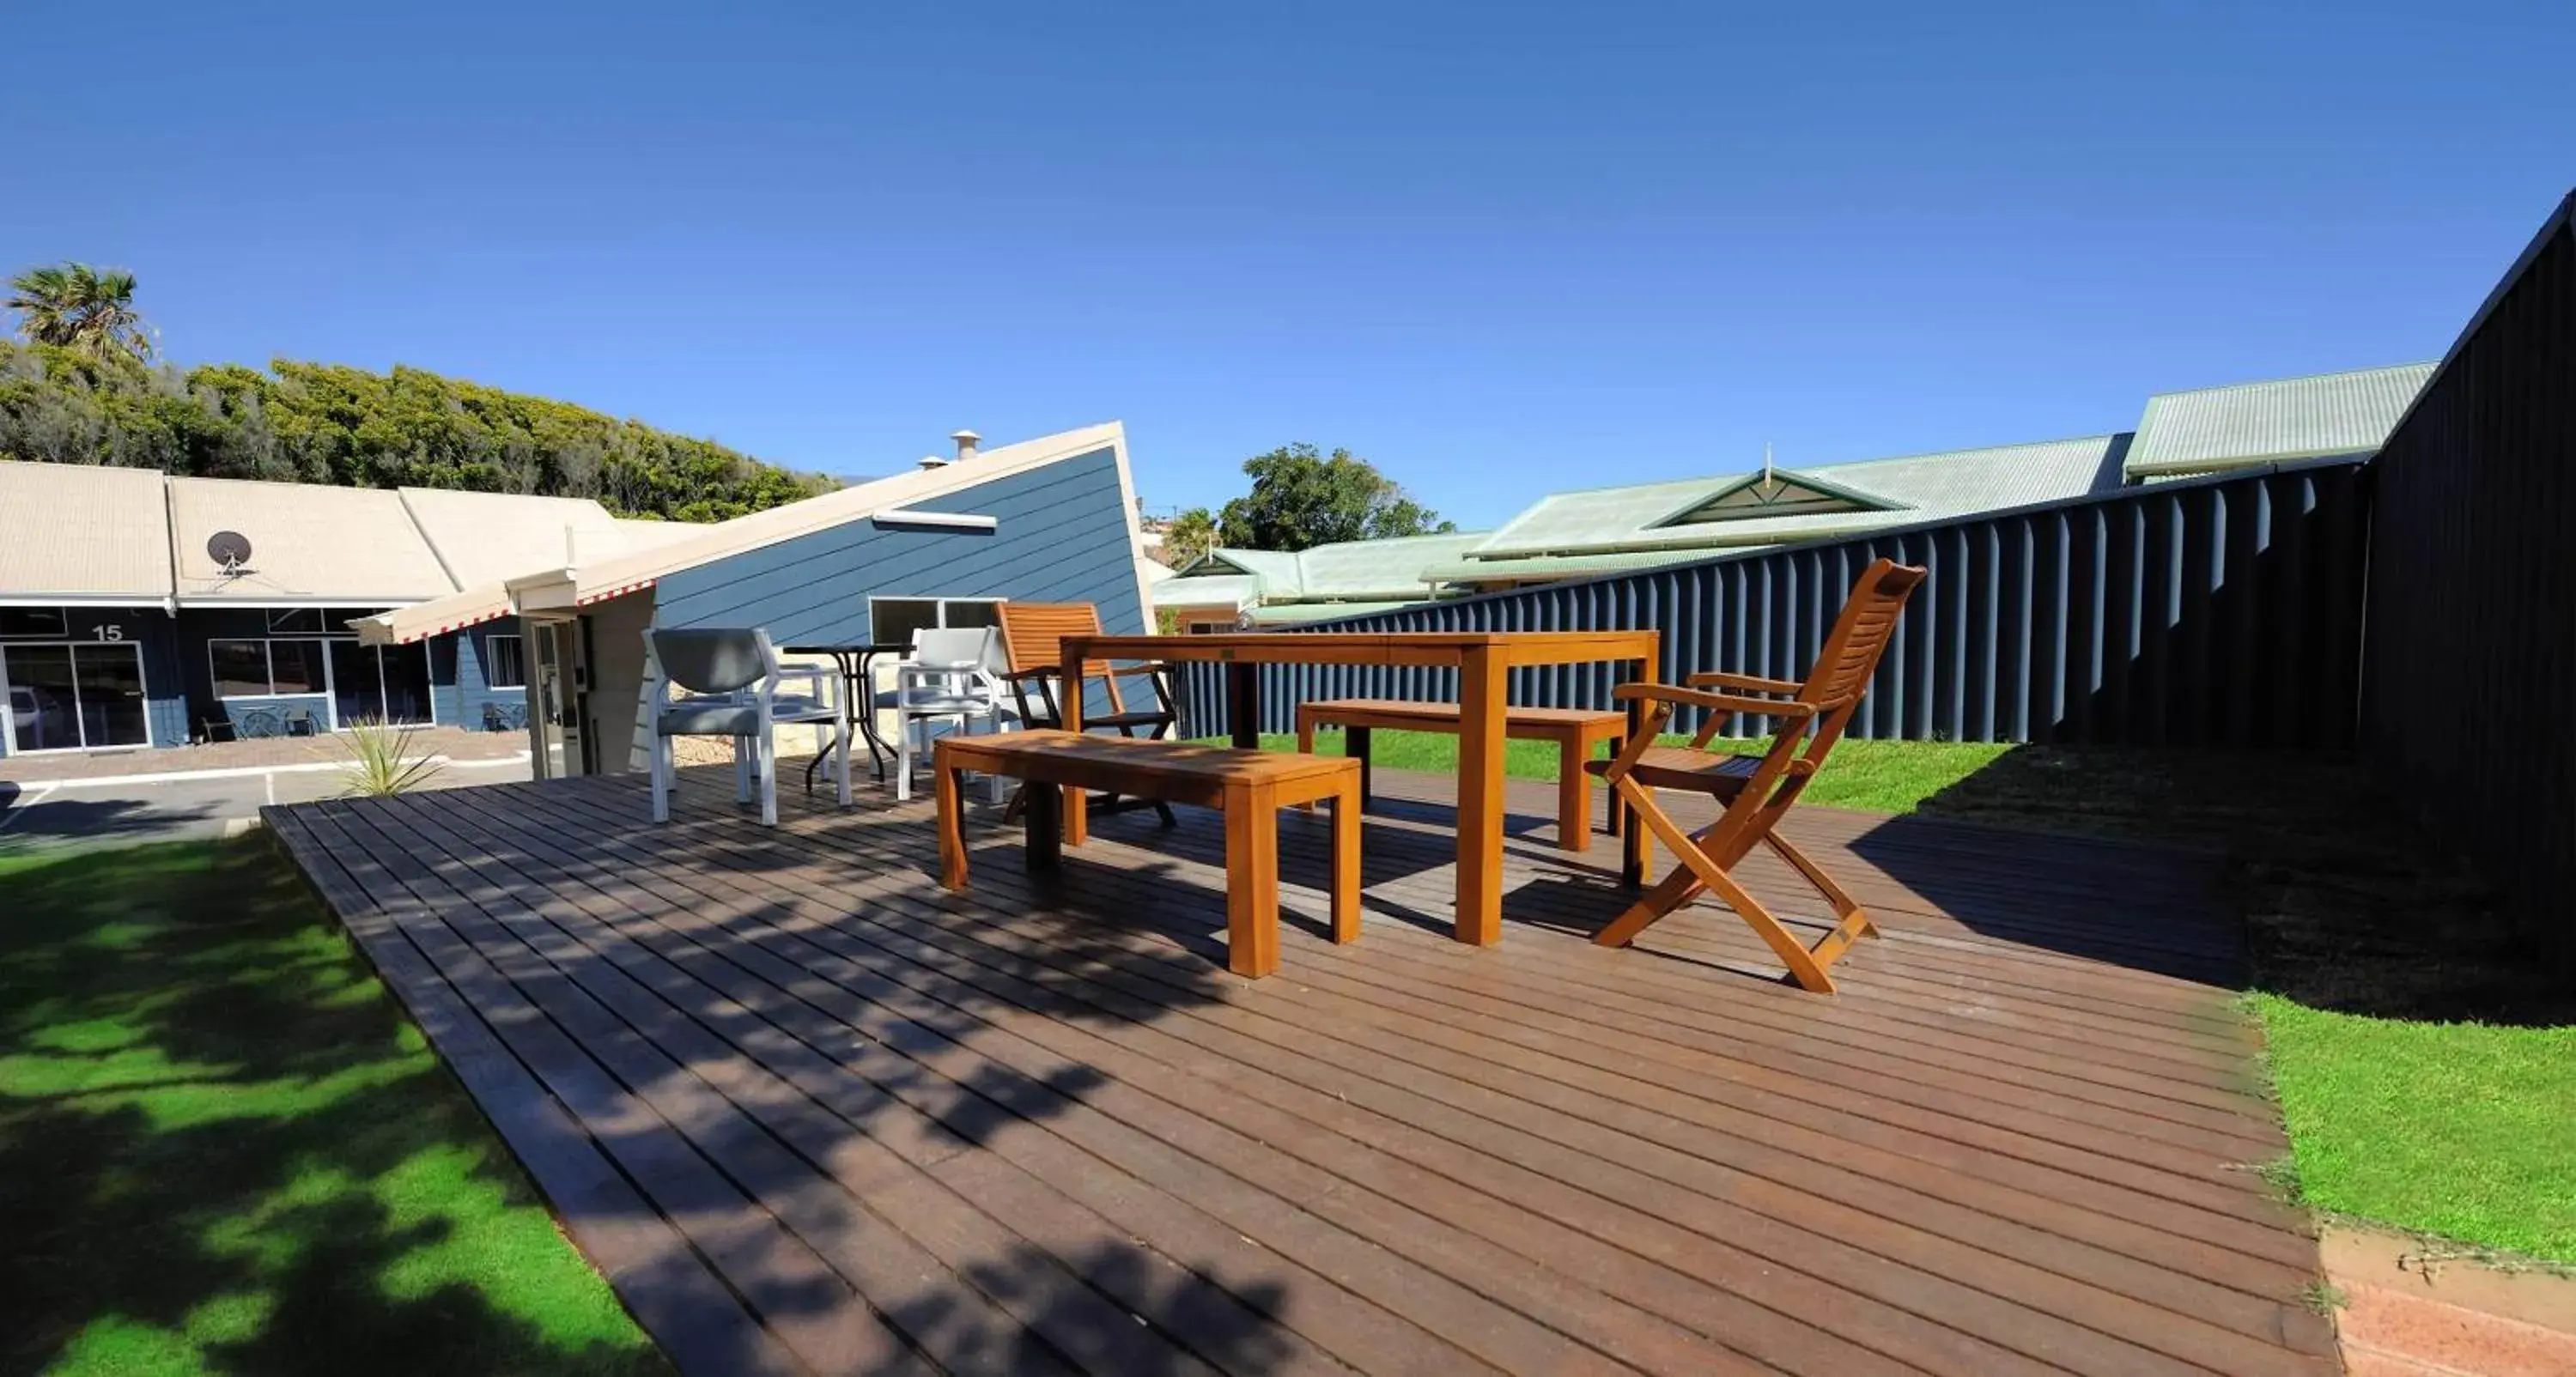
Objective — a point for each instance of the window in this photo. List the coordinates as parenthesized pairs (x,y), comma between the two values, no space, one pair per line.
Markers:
(505,663)
(35,621)
(263,669)
(295,621)
(891,621)
(241,668)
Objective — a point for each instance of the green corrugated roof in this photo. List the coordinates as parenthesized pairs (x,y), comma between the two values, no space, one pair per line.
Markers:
(1379,568)
(2269,422)
(1560,566)
(1278,614)
(1923,487)
(1208,590)
(1352,569)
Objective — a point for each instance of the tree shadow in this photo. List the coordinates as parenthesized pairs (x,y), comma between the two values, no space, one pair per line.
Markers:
(218,1138)
(795,1026)
(2341,902)
(55,821)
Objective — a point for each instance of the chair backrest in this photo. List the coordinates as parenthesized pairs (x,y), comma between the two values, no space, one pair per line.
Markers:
(714,660)
(1031,632)
(979,646)
(1852,649)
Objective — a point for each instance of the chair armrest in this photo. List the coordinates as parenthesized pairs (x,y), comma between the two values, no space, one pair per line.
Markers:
(1744,683)
(1714,702)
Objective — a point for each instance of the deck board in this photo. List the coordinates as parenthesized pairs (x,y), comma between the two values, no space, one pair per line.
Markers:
(807,1109)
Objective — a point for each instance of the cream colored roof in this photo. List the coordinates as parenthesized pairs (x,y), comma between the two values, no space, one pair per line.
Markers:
(310,542)
(483,537)
(82,531)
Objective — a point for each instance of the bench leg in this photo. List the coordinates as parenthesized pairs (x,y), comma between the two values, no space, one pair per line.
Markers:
(1305,746)
(952,829)
(1573,796)
(1251,882)
(1611,824)
(1355,744)
(1346,866)
(1044,814)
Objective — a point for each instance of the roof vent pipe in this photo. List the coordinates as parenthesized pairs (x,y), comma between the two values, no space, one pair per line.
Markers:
(933,461)
(966,442)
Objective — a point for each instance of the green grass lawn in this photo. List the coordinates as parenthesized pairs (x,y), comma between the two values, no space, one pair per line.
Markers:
(1883,776)
(224,1148)
(2425,1072)
(2455,1129)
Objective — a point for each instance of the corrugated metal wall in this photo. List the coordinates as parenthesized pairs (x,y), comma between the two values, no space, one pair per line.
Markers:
(2218,610)
(2472,620)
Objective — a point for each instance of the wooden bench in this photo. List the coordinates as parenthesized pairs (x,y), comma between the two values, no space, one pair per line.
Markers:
(1575,731)
(1248,786)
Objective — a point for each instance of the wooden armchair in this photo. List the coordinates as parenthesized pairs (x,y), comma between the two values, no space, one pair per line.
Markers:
(1032,643)
(1757,790)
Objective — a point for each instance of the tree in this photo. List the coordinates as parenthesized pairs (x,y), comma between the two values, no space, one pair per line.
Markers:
(1301,499)
(77,307)
(1190,535)
(327,423)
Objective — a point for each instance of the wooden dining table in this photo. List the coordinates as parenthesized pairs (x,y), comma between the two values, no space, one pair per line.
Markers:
(1483,660)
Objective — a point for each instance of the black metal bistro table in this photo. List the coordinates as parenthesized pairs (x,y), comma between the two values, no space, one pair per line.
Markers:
(860,693)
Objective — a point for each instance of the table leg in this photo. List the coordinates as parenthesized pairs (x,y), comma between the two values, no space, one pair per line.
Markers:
(952,826)
(1637,848)
(1251,881)
(1346,865)
(1243,704)
(1074,652)
(1481,681)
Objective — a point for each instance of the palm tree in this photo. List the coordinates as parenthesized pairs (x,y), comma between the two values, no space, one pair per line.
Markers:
(82,309)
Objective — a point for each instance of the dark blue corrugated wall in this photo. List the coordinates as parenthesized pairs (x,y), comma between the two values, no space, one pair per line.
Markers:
(2217,610)
(2472,619)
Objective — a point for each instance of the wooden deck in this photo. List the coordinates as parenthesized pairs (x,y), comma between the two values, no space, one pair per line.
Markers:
(809,1112)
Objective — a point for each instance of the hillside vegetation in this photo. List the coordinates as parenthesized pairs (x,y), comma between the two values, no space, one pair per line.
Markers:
(327,423)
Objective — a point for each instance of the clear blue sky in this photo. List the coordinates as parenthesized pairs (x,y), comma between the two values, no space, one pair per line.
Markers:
(1500,249)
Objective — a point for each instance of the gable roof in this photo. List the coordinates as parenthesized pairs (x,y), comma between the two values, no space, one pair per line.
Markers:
(1775,492)
(644,558)
(1388,571)
(70,532)
(310,543)
(483,536)
(1921,487)
(2214,428)
(89,532)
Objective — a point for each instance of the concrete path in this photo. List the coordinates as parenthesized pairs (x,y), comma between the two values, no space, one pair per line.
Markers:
(179,805)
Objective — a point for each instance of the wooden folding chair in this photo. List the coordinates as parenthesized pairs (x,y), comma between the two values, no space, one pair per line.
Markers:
(1032,641)
(1757,790)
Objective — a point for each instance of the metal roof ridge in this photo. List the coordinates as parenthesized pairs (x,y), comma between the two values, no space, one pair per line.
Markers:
(2152,397)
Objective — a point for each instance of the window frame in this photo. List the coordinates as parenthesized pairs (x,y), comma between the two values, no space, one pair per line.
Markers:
(62,625)
(941,604)
(268,665)
(516,639)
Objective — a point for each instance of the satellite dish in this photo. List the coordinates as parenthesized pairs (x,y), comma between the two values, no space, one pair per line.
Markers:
(231,549)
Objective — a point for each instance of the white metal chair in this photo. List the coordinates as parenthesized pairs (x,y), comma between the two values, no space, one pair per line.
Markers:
(954,675)
(732,678)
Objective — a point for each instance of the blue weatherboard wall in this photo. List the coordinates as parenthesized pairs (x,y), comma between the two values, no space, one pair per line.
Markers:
(459,681)
(1062,537)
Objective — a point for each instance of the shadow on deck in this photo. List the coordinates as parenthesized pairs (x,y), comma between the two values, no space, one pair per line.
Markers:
(804,1107)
